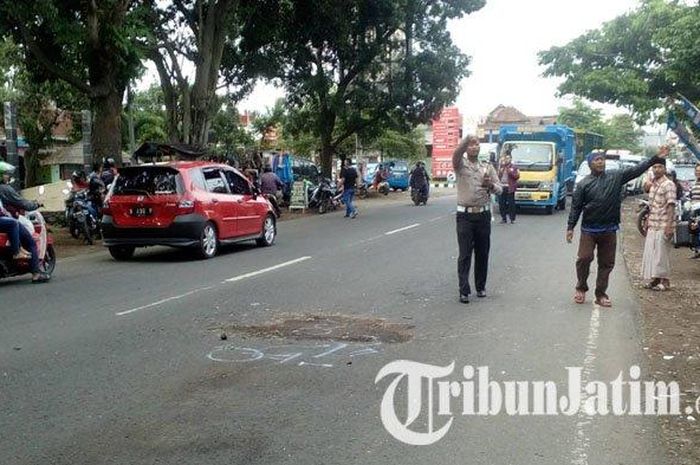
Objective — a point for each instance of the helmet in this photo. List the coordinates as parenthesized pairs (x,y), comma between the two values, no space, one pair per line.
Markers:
(76,175)
(6,168)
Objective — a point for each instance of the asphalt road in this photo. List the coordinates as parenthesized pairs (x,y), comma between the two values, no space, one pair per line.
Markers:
(122,363)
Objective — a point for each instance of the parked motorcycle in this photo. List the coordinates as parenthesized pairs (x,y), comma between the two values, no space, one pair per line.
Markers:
(642,216)
(80,214)
(324,196)
(45,246)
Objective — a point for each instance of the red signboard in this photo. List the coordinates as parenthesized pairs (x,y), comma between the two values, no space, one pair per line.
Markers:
(446,133)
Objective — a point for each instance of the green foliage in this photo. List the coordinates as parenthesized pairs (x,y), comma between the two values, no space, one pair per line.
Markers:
(359,67)
(90,46)
(619,132)
(397,145)
(227,134)
(636,60)
(39,104)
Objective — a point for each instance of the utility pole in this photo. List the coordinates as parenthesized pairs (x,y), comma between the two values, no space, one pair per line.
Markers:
(11,139)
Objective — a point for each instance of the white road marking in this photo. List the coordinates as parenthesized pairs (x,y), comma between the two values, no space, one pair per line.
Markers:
(401,229)
(169,299)
(435,219)
(265,270)
(582,441)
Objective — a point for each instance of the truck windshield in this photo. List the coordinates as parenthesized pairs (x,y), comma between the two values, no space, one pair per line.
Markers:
(530,156)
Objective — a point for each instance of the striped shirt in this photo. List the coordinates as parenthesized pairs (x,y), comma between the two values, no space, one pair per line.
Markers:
(695,191)
(661,195)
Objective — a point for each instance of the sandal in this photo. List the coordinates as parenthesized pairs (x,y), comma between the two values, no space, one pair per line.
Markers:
(661,287)
(41,278)
(603,301)
(651,284)
(580,297)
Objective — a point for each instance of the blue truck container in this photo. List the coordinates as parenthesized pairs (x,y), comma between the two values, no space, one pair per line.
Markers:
(545,156)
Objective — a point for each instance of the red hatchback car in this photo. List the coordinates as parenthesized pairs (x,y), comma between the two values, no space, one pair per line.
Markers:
(184,204)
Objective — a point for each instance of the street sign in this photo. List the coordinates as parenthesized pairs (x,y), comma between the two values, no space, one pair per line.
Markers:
(300,198)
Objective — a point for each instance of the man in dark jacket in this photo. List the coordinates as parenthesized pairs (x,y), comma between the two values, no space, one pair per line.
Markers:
(599,197)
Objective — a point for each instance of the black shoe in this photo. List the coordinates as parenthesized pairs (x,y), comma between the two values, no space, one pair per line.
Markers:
(464,298)
(481,293)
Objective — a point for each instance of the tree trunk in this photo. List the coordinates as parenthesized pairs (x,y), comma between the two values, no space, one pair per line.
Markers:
(107,127)
(31,168)
(326,156)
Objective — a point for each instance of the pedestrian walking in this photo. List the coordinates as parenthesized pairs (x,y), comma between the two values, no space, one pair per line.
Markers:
(476,181)
(349,179)
(661,224)
(508,174)
(598,197)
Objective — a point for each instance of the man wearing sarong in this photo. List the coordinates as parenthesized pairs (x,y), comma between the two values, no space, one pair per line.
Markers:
(656,263)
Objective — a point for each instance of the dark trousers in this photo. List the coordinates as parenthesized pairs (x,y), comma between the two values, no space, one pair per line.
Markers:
(506,205)
(473,235)
(19,235)
(606,244)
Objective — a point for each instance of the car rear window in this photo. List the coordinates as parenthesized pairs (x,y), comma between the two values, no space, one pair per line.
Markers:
(149,180)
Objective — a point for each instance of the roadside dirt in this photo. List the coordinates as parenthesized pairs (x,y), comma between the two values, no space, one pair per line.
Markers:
(671,332)
(325,327)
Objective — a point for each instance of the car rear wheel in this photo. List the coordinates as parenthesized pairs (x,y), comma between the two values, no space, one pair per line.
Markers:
(208,241)
(269,232)
(122,252)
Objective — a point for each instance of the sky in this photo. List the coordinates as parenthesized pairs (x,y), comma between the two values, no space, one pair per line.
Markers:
(503,39)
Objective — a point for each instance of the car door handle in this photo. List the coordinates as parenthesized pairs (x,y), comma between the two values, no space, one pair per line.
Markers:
(214,200)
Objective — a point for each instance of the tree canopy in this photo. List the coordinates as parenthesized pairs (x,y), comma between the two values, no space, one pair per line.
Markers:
(91,46)
(359,67)
(636,60)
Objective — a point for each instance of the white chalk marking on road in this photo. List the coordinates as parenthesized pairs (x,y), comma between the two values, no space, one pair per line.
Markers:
(582,441)
(401,229)
(169,299)
(322,365)
(265,270)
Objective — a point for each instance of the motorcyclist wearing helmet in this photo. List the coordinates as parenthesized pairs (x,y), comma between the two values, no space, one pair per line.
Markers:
(9,197)
(93,187)
(419,178)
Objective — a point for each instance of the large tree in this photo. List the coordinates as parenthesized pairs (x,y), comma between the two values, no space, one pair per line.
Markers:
(636,60)
(40,105)
(89,45)
(206,36)
(360,67)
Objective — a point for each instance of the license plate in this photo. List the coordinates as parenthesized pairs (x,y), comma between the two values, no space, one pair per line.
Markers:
(522,196)
(141,211)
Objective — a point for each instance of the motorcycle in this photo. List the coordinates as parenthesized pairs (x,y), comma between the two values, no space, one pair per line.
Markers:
(688,224)
(10,267)
(642,216)
(324,196)
(80,218)
(419,196)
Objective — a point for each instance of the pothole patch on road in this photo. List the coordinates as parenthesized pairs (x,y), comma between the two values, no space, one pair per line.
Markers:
(325,327)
